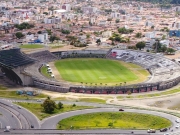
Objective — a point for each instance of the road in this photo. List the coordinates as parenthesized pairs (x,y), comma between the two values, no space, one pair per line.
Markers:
(24,117)
(48,125)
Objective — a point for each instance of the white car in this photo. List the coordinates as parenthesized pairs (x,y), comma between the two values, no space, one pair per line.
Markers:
(177,120)
(39,100)
(19,107)
(177,126)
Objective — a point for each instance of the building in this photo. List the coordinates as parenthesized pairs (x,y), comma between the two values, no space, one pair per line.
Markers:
(175,33)
(43,37)
(107,34)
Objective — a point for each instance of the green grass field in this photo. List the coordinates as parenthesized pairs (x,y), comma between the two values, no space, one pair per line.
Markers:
(122,120)
(159,94)
(13,94)
(44,72)
(38,110)
(31,46)
(95,71)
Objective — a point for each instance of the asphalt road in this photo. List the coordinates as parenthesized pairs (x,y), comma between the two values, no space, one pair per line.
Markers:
(55,119)
(25,117)
(48,126)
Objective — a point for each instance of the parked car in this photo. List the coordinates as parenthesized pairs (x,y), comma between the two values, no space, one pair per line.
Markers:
(151,131)
(177,126)
(121,110)
(39,100)
(19,107)
(177,120)
(163,130)
(32,126)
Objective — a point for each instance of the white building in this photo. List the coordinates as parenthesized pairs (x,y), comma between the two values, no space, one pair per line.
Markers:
(43,37)
(29,37)
(115,15)
(150,34)
(107,34)
(165,42)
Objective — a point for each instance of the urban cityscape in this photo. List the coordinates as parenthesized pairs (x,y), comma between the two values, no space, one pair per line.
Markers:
(90,67)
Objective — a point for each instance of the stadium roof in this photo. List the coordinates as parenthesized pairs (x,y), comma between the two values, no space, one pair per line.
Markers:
(14,58)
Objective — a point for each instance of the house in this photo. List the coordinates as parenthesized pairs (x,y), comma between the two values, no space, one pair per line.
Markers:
(115,15)
(150,34)
(175,33)
(102,22)
(43,37)
(107,34)
(165,42)
(66,7)
(89,10)
(149,43)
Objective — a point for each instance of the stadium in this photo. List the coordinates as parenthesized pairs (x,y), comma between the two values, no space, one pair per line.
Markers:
(103,71)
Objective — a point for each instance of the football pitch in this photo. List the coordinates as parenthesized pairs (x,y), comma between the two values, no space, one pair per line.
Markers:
(100,72)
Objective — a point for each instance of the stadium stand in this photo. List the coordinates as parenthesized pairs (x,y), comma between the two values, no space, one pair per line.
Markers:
(24,70)
(11,62)
(43,56)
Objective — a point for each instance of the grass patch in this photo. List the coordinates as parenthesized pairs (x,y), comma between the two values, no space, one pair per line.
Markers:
(2,87)
(44,72)
(55,47)
(122,120)
(91,100)
(31,46)
(168,92)
(13,94)
(98,71)
(38,110)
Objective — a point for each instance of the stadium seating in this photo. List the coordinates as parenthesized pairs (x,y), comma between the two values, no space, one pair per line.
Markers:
(14,58)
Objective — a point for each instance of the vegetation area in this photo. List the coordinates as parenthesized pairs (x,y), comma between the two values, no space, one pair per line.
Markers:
(2,87)
(123,30)
(91,100)
(12,94)
(122,120)
(19,35)
(117,38)
(44,72)
(38,110)
(92,72)
(168,92)
(31,46)
(24,25)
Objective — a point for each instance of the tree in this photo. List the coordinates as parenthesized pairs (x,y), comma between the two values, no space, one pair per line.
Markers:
(109,19)
(117,38)
(123,30)
(164,48)
(117,21)
(140,45)
(60,105)
(98,41)
(52,38)
(39,32)
(19,35)
(49,105)
(46,13)
(170,50)
(152,27)
(138,35)
(112,39)
(87,36)
(24,25)
(163,37)
(65,31)
(157,46)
